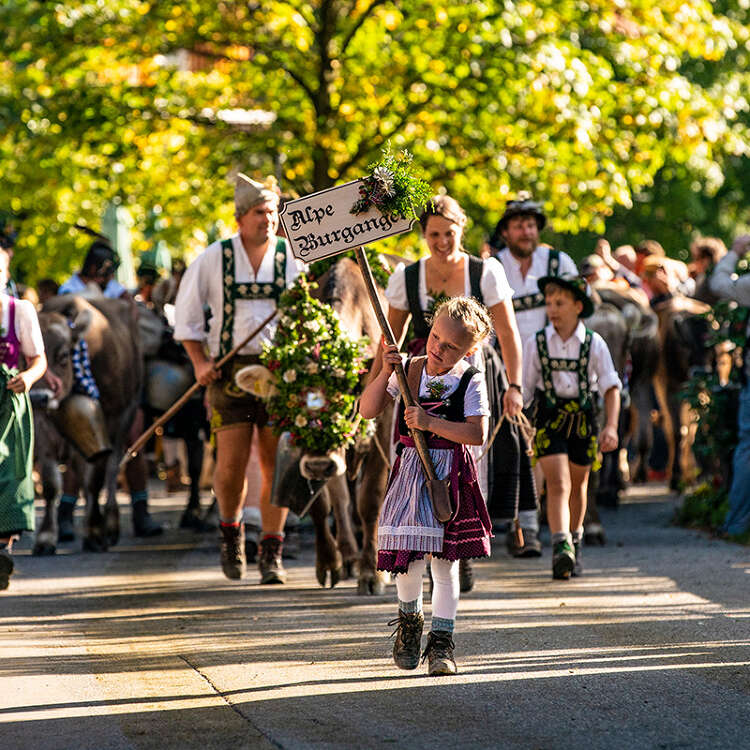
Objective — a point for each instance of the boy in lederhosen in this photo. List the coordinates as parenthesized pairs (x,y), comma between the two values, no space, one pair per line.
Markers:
(563,364)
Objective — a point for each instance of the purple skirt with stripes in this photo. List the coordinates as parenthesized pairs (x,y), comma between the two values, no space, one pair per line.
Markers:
(407,529)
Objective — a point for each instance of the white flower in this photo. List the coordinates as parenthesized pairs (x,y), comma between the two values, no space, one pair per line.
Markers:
(289,376)
(315,400)
(313,326)
(385,178)
(339,372)
(311,368)
(300,420)
(286,320)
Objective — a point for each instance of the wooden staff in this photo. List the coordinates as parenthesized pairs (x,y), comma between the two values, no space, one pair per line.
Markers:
(132,452)
(420,442)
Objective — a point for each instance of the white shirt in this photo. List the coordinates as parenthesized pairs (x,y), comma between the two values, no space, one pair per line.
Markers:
(531,321)
(476,403)
(76,285)
(202,285)
(27,326)
(602,373)
(493,284)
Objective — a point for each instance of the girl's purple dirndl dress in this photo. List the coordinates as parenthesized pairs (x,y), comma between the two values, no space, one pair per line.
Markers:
(407,529)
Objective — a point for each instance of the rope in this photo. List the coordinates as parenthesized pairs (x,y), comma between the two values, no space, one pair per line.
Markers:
(524,427)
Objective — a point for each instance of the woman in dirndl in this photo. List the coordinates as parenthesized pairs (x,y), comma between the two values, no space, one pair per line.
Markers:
(22,363)
(449,271)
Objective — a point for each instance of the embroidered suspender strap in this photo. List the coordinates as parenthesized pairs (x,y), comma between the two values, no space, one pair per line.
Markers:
(584,388)
(414,375)
(476,265)
(532,301)
(558,364)
(411,279)
(247,290)
(553,263)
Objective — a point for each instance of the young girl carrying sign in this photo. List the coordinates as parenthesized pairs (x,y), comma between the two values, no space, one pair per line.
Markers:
(453,411)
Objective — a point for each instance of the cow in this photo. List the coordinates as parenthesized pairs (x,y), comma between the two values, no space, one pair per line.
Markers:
(361,471)
(109,327)
(684,347)
(630,331)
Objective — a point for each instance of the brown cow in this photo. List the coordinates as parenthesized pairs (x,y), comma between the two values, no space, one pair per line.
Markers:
(109,327)
(363,471)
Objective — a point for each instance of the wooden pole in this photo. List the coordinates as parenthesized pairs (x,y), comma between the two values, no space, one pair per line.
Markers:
(132,451)
(420,442)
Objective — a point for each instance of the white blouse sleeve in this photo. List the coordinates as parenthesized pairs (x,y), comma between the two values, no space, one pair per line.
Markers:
(603,366)
(27,329)
(190,319)
(395,292)
(476,402)
(532,371)
(567,264)
(494,283)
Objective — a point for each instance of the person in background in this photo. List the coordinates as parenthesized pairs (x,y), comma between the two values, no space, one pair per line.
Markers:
(726,284)
(22,363)
(705,252)
(98,268)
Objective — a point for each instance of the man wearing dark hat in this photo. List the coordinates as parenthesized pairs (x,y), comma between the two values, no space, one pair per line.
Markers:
(515,242)
(240,279)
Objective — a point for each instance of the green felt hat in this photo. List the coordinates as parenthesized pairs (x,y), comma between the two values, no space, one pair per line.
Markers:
(575,284)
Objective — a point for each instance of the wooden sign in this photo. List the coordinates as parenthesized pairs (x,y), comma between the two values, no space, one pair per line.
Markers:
(322,224)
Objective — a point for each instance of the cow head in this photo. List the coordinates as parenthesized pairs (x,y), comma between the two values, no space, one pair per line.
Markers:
(60,336)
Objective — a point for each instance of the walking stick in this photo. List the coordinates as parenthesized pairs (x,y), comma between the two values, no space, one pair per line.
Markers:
(420,442)
(132,451)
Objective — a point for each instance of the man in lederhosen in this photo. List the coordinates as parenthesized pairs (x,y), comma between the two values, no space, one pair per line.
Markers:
(515,243)
(240,280)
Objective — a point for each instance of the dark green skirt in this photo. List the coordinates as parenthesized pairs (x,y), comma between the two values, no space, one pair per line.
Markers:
(16,459)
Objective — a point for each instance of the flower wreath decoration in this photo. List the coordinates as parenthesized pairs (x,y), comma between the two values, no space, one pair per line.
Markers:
(393,187)
(314,370)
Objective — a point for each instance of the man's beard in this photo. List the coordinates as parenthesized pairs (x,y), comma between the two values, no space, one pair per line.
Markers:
(522,252)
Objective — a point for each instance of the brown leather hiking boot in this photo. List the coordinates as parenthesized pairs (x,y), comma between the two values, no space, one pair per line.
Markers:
(233,551)
(408,634)
(269,561)
(439,651)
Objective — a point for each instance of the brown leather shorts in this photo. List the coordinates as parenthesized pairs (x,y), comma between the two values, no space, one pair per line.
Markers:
(230,405)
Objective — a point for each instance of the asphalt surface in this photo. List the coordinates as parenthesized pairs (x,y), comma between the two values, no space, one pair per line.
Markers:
(148,646)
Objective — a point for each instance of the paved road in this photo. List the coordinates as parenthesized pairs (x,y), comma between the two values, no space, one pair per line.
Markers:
(150,647)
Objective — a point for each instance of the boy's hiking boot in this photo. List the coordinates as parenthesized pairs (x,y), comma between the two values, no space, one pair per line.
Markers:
(465,576)
(563,561)
(408,634)
(269,562)
(578,567)
(439,652)
(233,551)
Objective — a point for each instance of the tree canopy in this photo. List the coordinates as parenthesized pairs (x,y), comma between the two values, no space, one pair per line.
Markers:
(156,105)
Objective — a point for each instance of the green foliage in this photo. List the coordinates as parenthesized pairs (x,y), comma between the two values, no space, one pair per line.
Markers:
(393,187)
(704,508)
(581,103)
(316,371)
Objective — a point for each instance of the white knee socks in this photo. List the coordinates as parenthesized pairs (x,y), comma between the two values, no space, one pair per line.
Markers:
(444,595)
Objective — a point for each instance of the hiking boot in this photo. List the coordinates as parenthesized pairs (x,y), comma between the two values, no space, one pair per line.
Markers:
(578,567)
(439,651)
(173,479)
(65,529)
(233,551)
(6,568)
(192,518)
(269,562)
(531,546)
(563,561)
(465,575)
(143,522)
(408,634)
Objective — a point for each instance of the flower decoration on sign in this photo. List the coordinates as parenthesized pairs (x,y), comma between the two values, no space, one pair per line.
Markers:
(437,389)
(393,187)
(316,369)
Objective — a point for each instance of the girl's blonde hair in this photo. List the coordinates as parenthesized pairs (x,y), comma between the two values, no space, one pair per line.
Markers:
(471,314)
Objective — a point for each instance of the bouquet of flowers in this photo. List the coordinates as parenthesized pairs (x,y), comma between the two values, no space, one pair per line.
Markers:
(392,187)
(314,374)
